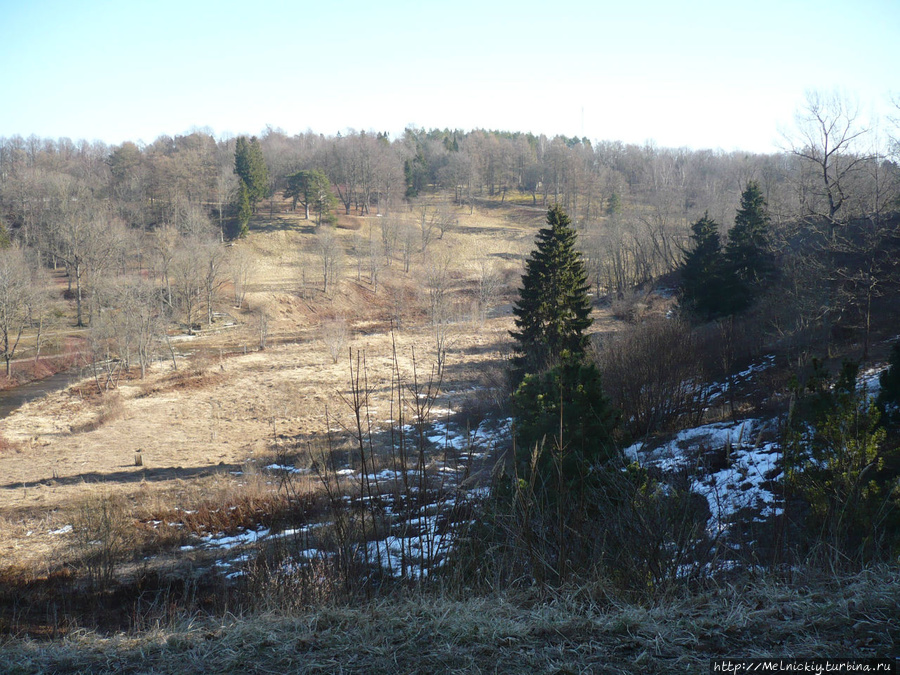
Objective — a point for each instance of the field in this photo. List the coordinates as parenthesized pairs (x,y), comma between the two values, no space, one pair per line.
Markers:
(229,402)
(238,430)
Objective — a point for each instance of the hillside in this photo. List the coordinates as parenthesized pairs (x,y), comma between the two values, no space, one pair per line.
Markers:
(312,459)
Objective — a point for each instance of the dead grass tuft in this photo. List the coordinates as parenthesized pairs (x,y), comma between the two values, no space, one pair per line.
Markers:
(112,407)
(227,507)
(8,446)
(195,377)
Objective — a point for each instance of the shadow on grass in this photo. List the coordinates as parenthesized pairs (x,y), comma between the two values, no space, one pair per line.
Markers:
(282,222)
(133,475)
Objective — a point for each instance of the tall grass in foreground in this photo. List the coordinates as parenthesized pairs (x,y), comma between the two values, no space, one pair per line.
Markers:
(392,515)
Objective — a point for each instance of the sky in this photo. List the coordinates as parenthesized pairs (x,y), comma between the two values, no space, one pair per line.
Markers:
(714,74)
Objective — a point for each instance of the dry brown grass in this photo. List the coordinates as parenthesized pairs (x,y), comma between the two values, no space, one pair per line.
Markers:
(575,630)
(110,408)
(7,446)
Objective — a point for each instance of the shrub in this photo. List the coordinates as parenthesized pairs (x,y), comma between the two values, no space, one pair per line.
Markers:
(835,462)
(102,535)
(889,396)
(654,374)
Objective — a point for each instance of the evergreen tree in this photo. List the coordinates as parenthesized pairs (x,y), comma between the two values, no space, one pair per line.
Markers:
(748,256)
(310,189)
(613,205)
(704,278)
(250,167)
(553,309)
(837,461)
(889,396)
(243,210)
(566,399)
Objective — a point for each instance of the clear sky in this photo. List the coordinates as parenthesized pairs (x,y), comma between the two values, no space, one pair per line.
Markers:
(711,74)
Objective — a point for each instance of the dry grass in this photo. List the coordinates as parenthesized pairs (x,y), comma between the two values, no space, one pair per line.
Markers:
(111,407)
(576,630)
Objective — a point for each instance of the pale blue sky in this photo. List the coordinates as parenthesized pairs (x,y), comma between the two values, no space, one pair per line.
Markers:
(716,74)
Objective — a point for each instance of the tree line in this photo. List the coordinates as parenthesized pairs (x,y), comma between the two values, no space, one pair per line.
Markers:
(80,205)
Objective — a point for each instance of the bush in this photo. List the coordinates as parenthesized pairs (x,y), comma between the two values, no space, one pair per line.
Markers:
(889,396)
(654,373)
(102,535)
(623,527)
(836,462)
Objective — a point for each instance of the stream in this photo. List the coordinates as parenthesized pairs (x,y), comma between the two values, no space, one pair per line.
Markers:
(12,399)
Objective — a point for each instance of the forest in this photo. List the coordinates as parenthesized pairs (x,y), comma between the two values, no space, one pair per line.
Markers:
(568,404)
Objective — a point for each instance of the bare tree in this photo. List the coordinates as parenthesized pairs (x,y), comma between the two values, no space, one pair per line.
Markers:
(434,221)
(226,184)
(261,315)
(330,254)
(133,322)
(334,335)
(242,267)
(489,284)
(166,241)
(375,258)
(828,144)
(390,234)
(188,282)
(437,284)
(21,291)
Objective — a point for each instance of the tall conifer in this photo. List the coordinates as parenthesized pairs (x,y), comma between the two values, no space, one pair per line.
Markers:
(250,167)
(553,310)
(747,253)
(704,287)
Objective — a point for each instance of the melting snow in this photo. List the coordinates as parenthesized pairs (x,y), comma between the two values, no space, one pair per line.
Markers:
(729,490)
(285,468)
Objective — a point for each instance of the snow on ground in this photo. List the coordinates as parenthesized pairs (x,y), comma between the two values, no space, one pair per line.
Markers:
(418,541)
(741,484)
(719,389)
(414,554)
(484,437)
(284,468)
(869,380)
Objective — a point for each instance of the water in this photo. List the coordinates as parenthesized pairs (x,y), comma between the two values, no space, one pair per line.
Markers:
(12,399)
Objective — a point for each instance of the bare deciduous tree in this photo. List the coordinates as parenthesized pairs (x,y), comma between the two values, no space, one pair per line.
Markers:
(21,291)
(828,144)
(242,267)
(334,335)
(330,254)
(489,284)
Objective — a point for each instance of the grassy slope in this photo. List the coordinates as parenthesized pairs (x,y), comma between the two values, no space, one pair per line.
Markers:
(567,632)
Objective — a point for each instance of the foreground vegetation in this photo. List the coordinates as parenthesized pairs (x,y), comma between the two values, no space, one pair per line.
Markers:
(563,630)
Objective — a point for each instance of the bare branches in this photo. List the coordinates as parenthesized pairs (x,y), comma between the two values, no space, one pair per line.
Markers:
(828,141)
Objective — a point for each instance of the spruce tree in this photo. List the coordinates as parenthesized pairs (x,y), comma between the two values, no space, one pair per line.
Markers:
(704,279)
(310,189)
(569,399)
(747,253)
(553,309)
(250,167)
(243,211)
